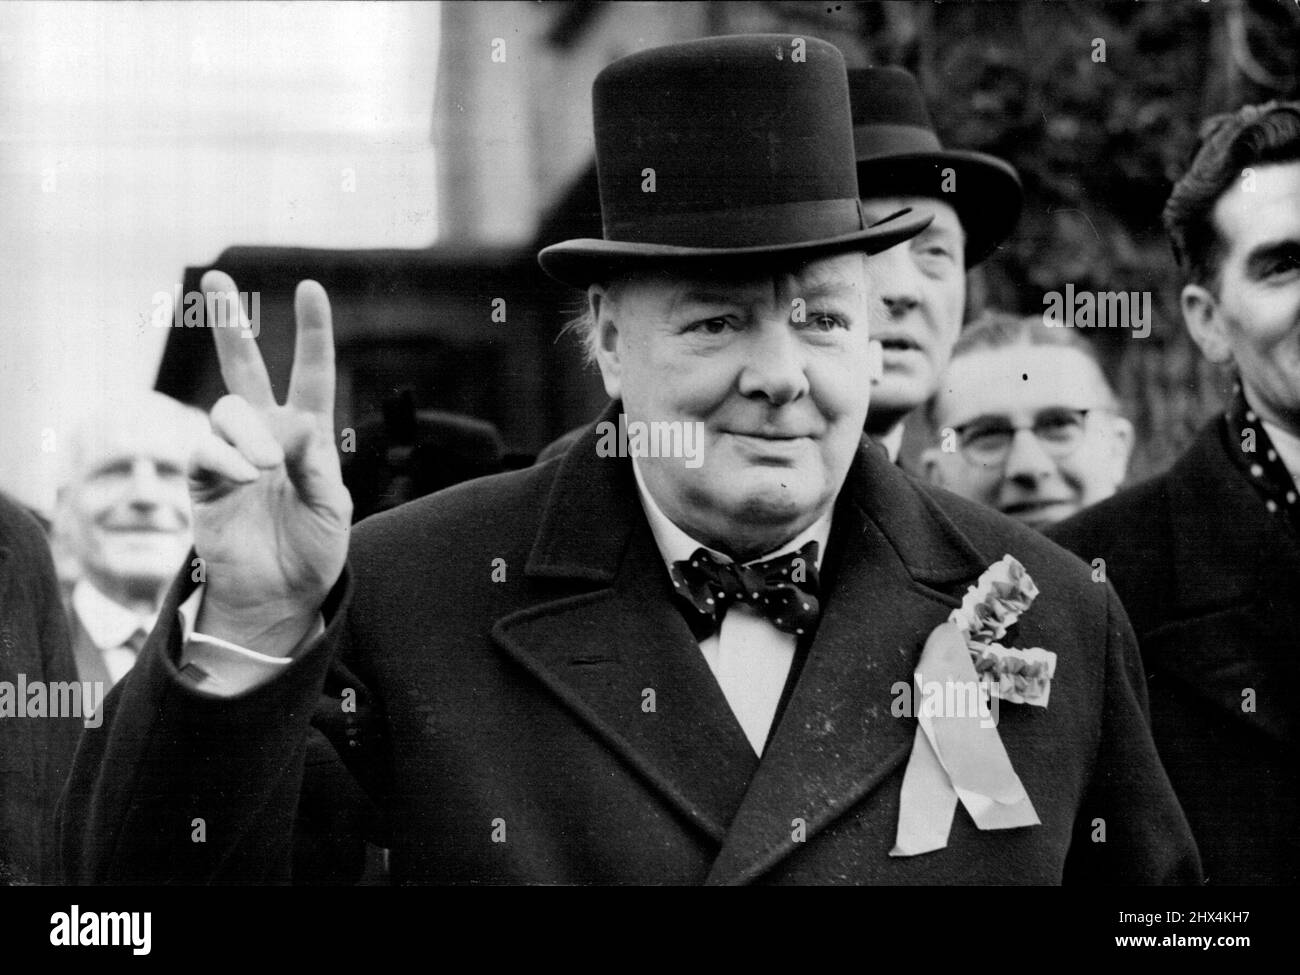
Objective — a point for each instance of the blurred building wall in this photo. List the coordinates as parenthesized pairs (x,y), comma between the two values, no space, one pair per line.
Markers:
(136,139)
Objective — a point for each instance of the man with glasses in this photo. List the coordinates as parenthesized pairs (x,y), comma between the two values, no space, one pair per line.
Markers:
(1026,422)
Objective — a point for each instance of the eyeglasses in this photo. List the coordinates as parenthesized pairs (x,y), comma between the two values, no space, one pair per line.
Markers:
(987,440)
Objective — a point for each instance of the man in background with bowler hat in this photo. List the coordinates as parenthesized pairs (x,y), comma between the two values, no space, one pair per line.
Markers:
(976,200)
(629,667)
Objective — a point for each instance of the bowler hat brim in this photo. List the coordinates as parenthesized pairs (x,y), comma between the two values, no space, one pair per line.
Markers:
(586,261)
(986,191)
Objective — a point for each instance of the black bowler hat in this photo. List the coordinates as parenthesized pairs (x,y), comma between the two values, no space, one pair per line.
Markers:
(899,154)
(722,152)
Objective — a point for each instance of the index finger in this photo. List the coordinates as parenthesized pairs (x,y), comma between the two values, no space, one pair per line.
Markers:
(242,367)
(311,384)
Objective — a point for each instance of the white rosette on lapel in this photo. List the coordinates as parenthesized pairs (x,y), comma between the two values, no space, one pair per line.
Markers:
(957,754)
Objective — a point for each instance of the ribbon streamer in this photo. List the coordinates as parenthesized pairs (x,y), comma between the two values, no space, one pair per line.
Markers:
(955,756)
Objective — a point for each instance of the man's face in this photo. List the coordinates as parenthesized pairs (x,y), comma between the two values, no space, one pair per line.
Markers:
(922,288)
(1255,317)
(770,366)
(128,509)
(1040,477)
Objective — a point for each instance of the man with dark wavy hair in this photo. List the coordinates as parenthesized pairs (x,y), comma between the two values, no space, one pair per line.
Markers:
(1206,557)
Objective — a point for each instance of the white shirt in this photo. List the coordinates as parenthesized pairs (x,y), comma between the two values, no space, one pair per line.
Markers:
(749,657)
(110,625)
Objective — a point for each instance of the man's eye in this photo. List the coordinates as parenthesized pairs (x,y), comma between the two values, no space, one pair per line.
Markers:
(1283,266)
(711,326)
(1055,429)
(118,470)
(826,322)
(987,437)
(933,251)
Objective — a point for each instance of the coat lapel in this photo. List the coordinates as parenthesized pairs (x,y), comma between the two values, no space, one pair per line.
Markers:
(899,562)
(611,632)
(618,653)
(1236,616)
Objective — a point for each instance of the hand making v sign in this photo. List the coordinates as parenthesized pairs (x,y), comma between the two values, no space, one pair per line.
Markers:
(271,514)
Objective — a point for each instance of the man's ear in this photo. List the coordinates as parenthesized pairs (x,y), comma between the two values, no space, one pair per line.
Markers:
(1121,446)
(1205,323)
(875,361)
(932,467)
(601,307)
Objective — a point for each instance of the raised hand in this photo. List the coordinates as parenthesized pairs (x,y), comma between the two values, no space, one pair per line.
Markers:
(271,514)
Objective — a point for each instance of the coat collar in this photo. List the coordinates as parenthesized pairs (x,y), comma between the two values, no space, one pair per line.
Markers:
(1235,620)
(899,558)
(1224,541)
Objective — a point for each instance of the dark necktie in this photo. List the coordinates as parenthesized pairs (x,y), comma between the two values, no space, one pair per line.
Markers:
(783,589)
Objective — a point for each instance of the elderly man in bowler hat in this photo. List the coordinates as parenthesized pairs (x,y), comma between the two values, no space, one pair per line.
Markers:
(920,283)
(629,669)
(975,199)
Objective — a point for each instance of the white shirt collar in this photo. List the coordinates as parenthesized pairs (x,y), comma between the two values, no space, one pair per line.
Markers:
(675,545)
(110,624)
(1287,445)
(892,441)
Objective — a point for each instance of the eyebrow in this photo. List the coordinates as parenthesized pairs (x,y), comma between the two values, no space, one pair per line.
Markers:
(940,230)
(1038,414)
(1271,251)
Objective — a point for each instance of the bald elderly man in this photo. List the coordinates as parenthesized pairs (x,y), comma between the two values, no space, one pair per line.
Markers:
(122,524)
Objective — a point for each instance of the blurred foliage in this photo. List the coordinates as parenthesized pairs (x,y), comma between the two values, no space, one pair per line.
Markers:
(1097,143)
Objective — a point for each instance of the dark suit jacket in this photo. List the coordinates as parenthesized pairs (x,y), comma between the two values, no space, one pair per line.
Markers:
(1211,582)
(35,752)
(502,727)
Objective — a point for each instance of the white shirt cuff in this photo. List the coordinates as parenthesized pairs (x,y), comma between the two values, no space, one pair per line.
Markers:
(223,669)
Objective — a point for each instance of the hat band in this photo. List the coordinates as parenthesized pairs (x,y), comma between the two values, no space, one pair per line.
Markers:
(893,140)
(763,225)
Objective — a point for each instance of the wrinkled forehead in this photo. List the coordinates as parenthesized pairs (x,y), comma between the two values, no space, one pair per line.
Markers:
(945,216)
(843,277)
(164,434)
(1017,382)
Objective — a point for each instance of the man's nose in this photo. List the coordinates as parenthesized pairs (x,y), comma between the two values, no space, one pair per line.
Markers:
(146,485)
(1027,463)
(774,367)
(897,280)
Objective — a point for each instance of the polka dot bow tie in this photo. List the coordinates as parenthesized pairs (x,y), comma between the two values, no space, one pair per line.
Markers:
(783,589)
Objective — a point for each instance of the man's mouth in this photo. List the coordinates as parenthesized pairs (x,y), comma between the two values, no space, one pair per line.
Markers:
(900,343)
(770,444)
(773,435)
(1029,510)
